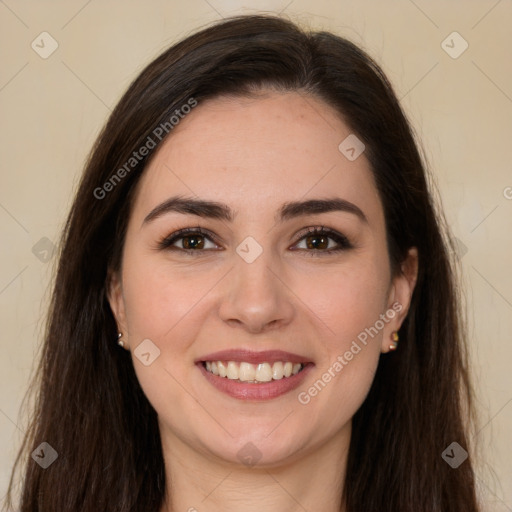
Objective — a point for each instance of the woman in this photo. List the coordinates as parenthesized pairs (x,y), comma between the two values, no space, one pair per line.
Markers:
(254,307)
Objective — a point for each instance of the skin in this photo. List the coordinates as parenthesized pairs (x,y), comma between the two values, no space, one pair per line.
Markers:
(254,155)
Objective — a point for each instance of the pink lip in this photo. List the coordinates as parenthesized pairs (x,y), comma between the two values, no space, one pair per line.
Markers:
(252,391)
(249,356)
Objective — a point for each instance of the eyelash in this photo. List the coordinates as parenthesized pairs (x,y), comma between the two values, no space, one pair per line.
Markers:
(341,240)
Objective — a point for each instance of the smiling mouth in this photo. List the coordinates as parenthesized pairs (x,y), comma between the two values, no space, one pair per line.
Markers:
(253,373)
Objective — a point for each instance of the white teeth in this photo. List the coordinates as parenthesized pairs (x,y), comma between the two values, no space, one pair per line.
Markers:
(247,372)
(264,373)
(232,371)
(223,371)
(277,371)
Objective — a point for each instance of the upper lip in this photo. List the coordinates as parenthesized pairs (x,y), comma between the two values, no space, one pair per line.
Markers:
(250,356)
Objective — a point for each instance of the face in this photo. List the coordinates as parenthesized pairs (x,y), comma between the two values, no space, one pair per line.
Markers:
(284,268)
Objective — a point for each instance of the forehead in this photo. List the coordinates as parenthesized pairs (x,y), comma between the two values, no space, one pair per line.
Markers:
(256,153)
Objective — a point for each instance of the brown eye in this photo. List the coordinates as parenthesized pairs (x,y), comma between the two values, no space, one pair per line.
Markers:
(190,240)
(317,242)
(323,240)
(193,242)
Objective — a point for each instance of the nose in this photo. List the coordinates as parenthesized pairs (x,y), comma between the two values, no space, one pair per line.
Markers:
(256,296)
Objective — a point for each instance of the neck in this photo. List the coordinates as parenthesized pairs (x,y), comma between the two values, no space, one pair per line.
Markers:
(196,482)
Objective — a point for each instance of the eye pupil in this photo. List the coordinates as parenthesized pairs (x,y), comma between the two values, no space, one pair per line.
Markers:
(193,242)
(319,242)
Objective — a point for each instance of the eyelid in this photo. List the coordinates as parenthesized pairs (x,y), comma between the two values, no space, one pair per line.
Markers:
(166,242)
(343,242)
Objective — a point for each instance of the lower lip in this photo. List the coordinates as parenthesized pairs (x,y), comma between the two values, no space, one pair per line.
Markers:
(251,391)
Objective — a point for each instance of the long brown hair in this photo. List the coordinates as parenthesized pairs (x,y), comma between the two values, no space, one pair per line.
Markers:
(90,406)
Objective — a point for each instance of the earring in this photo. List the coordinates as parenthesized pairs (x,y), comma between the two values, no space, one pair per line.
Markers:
(394,344)
(120,342)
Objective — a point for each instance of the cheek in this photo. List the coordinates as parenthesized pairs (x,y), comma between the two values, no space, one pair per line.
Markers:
(158,297)
(163,306)
(346,301)
(350,304)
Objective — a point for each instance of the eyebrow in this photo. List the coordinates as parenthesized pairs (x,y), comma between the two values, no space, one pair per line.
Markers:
(221,211)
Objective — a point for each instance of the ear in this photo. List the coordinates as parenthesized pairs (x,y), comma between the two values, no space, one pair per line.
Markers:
(399,299)
(116,301)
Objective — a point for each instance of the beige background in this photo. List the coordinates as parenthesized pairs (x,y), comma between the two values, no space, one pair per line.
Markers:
(52,109)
